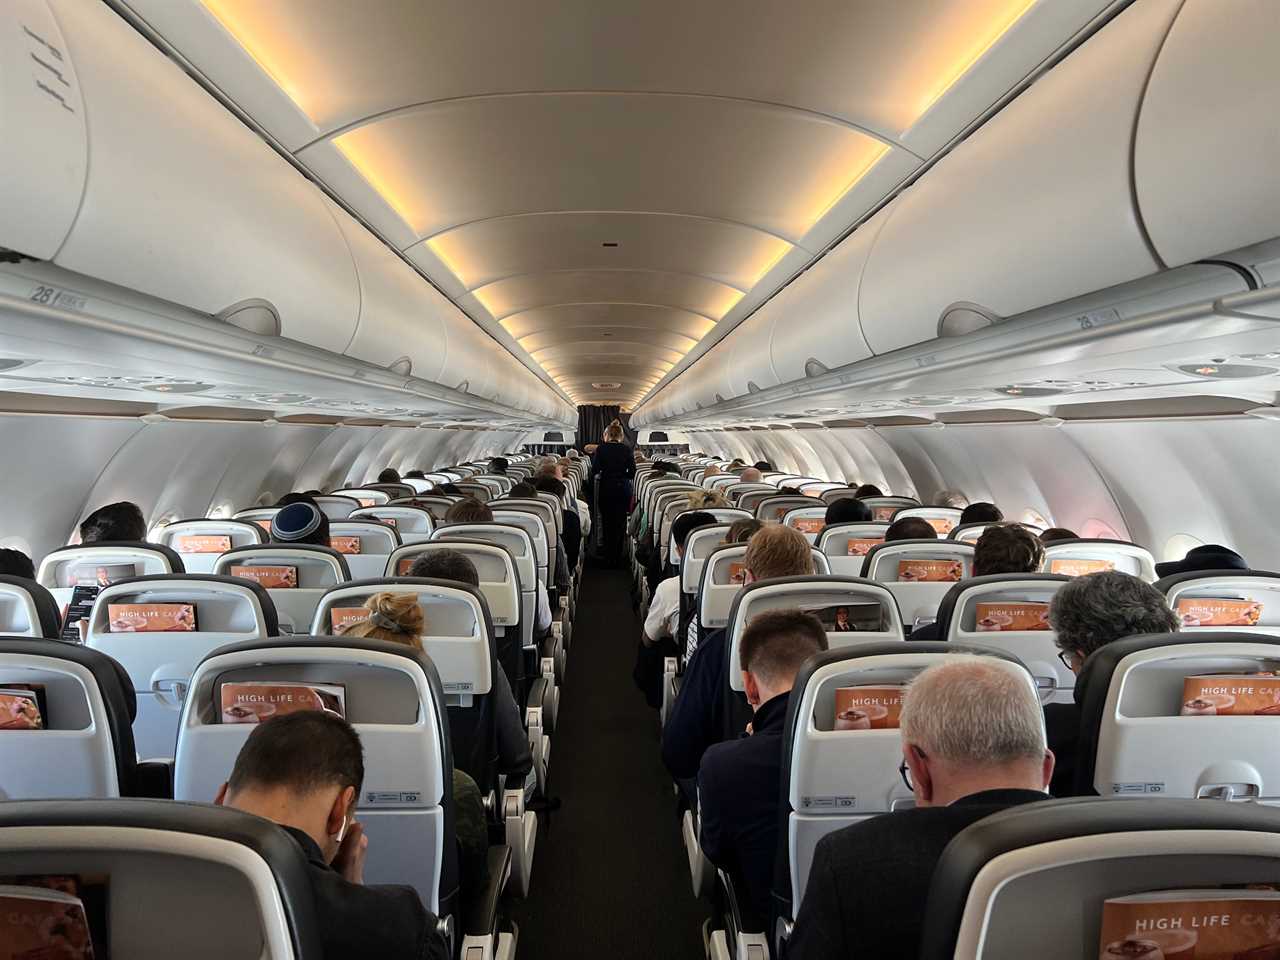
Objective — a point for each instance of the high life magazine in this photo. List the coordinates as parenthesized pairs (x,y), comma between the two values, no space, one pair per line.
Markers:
(255,701)
(1192,924)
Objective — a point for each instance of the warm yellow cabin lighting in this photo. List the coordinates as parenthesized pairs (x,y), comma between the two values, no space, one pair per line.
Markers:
(268,55)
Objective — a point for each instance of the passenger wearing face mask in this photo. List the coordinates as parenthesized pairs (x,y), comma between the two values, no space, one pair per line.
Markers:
(304,771)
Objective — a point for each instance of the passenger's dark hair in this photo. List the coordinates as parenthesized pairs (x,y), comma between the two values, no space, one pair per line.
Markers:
(15,563)
(910,528)
(469,510)
(867,490)
(523,491)
(549,484)
(389,476)
(740,531)
(1007,548)
(981,512)
(498,465)
(295,497)
(115,521)
(1091,611)
(789,492)
(1058,533)
(451,489)
(763,465)
(446,565)
(685,523)
(415,475)
(302,752)
(777,642)
(847,510)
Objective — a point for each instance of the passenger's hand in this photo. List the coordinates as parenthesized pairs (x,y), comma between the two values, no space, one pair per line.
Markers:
(350,859)
(750,731)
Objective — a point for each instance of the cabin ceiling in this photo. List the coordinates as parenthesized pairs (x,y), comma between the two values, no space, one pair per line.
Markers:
(607,188)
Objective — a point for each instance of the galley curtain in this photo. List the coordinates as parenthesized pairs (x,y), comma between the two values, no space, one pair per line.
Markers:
(593,419)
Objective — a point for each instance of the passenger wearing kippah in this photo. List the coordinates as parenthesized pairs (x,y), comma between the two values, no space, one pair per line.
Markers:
(300,523)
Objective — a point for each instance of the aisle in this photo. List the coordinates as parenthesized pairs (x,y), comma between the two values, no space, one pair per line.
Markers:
(610,879)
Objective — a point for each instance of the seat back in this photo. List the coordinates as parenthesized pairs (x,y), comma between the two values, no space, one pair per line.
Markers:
(835,770)
(919,573)
(412,524)
(295,577)
(394,491)
(337,507)
(989,890)
(1010,612)
(389,692)
(499,483)
(725,516)
(697,549)
(535,529)
(368,496)
(1242,601)
(665,506)
(816,488)
(417,484)
(27,609)
(718,481)
(971,532)
(1073,558)
(159,628)
(547,514)
(1143,731)
(942,519)
(81,745)
(478,491)
(834,493)
(199,542)
(884,508)
(155,879)
(437,505)
(260,517)
(750,500)
(846,545)
(809,521)
(557,510)
(365,544)
(773,509)
(91,567)
(722,578)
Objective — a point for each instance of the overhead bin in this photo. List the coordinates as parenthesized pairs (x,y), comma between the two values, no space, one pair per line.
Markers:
(1206,154)
(1033,208)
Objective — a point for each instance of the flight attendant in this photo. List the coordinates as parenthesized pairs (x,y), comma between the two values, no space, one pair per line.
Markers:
(614,464)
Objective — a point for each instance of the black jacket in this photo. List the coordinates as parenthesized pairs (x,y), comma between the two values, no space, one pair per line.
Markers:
(388,922)
(697,717)
(738,790)
(613,461)
(514,758)
(869,882)
(1062,729)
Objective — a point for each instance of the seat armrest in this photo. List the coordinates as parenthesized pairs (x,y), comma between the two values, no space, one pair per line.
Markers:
(155,779)
(481,918)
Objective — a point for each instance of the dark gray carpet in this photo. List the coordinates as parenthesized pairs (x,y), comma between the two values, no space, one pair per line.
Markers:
(610,877)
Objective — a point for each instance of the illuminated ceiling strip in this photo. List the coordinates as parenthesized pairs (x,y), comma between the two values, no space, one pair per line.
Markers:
(366,169)
(257,51)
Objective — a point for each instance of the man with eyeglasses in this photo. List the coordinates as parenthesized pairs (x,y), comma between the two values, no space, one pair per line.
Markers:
(973,744)
(1088,613)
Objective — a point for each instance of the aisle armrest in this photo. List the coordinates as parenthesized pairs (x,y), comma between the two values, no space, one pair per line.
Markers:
(481,918)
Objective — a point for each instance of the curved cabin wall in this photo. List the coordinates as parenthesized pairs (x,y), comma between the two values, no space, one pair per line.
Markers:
(180,200)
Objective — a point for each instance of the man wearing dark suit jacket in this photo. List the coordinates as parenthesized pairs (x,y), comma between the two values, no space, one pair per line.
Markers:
(738,780)
(973,743)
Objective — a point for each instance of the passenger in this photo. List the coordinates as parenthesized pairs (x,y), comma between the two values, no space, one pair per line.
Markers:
(1209,556)
(764,465)
(415,475)
(866,490)
(114,522)
(707,500)
(304,771)
(288,498)
(15,563)
(660,636)
(740,531)
(1058,533)
(711,471)
(697,719)
(910,528)
(1006,548)
(499,465)
(981,513)
(523,491)
(389,476)
(973,743)
(738,780)
(751,475)
(950,498)
(613,466)
(514,759)
(847,510)
(571,534)
(468,510)
(1088,613)
(450,489)
(789,491)
(300,522)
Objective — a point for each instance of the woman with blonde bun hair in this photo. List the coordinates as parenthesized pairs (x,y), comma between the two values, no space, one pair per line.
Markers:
(394,617)
(613,465)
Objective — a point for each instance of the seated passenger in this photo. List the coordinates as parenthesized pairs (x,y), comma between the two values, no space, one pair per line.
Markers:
(571,535)
(910,528)
(499,465)
(866,490)
(1088,613)
(738,780)
(981,513)
(763,465)
(711,471)
(523,491)
(415,475)
(1208,556)
(973,744)
(847,510)
(697,718)
(15,563)
(707,500)
(1058,533)
(514,759)
(397,618)
(389,476)
(114,522)
(750,475)
(1008,548)
(301,522)
(295,497)
(740,531)
(304,771)
(950,498)
(450,489)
